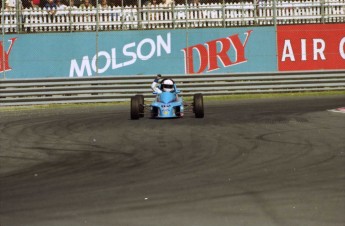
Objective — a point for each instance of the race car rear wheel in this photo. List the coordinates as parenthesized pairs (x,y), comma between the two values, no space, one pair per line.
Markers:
(141,105)
(135,108)
(198,105)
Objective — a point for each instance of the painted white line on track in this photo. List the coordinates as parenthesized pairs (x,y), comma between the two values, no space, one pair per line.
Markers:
(338,110)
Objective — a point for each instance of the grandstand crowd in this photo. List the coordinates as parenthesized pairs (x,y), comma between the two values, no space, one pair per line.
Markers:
(81,15)
(80,3)
(77,3)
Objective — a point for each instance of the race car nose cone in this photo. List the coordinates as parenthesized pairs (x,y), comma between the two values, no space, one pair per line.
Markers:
(167,97)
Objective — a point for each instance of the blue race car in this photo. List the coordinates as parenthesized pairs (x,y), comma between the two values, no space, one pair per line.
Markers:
(167,105)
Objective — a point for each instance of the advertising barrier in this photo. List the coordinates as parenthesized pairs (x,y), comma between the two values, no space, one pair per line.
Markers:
(193,51)
(181,51)
(311,47)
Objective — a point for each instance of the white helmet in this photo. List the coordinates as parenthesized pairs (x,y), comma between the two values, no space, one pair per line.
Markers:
(167,85)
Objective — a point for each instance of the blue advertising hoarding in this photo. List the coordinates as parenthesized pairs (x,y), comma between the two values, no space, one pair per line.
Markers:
(189,51)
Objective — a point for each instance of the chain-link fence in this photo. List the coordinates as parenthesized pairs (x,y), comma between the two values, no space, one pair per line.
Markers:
(91,15)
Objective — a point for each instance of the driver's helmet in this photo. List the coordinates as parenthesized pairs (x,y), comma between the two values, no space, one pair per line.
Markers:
(167,85)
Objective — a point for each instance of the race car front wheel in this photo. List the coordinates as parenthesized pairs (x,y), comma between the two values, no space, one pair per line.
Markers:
(198,105)
(135,107)
(141,105)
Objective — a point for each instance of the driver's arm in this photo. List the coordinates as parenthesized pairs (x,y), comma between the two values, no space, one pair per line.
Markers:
(155,84)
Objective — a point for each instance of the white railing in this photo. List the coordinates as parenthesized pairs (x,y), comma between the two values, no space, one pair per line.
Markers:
(9,21)
(176,16)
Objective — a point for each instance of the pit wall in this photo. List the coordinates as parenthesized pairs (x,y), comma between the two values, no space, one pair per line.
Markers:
(188,51)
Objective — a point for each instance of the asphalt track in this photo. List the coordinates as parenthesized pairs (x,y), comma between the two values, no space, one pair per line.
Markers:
(248,162)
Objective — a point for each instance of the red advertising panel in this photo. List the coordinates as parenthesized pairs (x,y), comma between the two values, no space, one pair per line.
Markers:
(311,47)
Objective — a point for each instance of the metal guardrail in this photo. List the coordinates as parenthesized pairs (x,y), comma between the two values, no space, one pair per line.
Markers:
(113,89)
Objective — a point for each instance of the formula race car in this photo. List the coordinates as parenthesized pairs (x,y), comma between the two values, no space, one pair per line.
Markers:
(167,105)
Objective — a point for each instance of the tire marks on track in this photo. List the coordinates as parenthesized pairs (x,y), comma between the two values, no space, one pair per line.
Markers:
(273,162)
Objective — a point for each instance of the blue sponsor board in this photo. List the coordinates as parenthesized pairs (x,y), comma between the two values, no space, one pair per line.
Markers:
(192,51)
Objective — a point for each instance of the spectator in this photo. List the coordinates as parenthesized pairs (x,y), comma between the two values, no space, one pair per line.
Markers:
(168,3)
(12,4)
(153,3)
(86,5)
(60,5)
(61,8)
(147,3)
(51,7)
(153,15)
(115,3)
(195,2)
(34,3)
(104,4)
(71,5)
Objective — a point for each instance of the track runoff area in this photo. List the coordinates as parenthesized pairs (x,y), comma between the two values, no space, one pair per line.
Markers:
(275,161)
